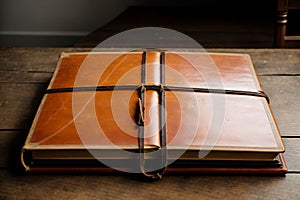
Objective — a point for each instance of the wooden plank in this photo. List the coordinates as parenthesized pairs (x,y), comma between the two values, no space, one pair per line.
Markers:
(285,102)
(31,60)
(292,154)
(18,104)
(170,187)
(30,65)
(6,138)
(28,59)
(24,76)
(11,143)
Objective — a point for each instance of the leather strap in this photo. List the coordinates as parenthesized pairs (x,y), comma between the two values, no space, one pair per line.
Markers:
(92,88)
(159,88)
(162,102)
(157,174)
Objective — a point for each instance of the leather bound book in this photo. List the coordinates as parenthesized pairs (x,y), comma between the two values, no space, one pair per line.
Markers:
(153,111)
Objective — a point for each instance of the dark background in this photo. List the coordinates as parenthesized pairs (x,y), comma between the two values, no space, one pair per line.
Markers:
(80,23)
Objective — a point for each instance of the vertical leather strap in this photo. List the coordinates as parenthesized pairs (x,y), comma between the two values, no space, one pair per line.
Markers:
(162,102)
(143,68)
(141,130)
(162,68)
(141,104)
(157,174)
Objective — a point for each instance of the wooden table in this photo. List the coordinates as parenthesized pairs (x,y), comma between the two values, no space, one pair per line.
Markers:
(25,74)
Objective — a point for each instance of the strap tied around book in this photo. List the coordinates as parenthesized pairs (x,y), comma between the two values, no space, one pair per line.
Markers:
(157,173)
(161,89)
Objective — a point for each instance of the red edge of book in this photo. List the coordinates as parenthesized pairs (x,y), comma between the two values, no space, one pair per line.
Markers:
(205,170)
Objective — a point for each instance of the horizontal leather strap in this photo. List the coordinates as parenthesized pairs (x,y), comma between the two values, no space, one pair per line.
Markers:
(93,88)
(218,91)
(160,88)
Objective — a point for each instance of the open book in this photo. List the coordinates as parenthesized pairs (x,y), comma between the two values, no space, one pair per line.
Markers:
(154,111)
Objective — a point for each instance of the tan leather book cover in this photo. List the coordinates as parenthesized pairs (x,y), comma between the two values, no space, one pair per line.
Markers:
(195,106)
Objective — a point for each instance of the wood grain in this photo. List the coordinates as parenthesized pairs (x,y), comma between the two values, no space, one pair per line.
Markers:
(66,187)
(285,101)
(29,65)
(31,59)
(11,143)
(292,154)
(18,103)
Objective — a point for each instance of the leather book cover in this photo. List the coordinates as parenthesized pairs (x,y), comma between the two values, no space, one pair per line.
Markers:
(195,109)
